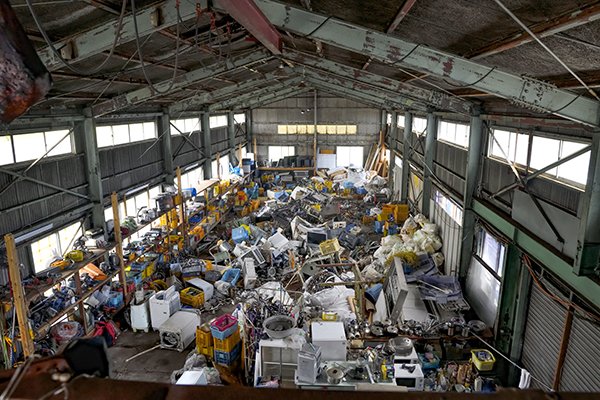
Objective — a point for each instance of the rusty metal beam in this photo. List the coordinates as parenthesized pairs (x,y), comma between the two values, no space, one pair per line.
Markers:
(251,17)
(570,20)
(408,4)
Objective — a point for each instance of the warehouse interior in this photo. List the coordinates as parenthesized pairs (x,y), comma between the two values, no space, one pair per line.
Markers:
(211,196)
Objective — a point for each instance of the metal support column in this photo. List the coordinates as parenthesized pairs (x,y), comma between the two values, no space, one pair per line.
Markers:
(588,242)
(474,164)
(406,150)
(392,134)
(206,145)
(231,132)
(164,128)
(87,130)
(430,148)
(249,131)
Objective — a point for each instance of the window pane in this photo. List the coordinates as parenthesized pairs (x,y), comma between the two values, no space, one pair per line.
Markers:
(462,135)
(224,165)
(68,235)
(310,129)
(149,130)
(29,146)
(500,143)
(575,170)
(52,138)
(292,130)
(217,121)
(351,129)
(544,151)
(349,156)
(492,252)
(401,121)
(43,251)
(104,136)
(282,129)
(331,129)
(483,292)
(6,154)
(301,129)
(322,129)
(120,134)
(239,118)
(341,130)
(522,146)
(420,125)
(214,169)
(178,128)
(192,124)
(136,132)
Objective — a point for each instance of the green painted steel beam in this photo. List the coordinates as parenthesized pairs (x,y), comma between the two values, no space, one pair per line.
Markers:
(583,286)
(430,151)
(432,98)
(101,38)
(230,90)
(389,99)
(259,94)
(526,92)
(166,87)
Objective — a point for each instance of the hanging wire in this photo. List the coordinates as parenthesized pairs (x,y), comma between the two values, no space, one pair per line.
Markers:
(141,56)
(60,57)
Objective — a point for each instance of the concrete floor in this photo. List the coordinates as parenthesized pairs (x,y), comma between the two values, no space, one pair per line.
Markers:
(155,366)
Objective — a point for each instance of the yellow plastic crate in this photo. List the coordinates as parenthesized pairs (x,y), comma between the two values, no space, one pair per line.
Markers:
(329,246)
(228,344)
(204,341)
(192,297)
(483,365)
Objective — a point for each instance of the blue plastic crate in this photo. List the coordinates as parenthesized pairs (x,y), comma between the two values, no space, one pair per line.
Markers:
(239,235)
(232,275)
(224,358)
(135,277)
(115,299)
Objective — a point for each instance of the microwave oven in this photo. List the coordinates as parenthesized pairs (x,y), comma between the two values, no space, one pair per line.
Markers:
(409,375)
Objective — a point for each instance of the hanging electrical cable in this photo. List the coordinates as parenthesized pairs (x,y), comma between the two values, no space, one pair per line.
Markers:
(534,36)
(60,57)
(141,56)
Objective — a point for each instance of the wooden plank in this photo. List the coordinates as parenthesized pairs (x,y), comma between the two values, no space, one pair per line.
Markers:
(18,296)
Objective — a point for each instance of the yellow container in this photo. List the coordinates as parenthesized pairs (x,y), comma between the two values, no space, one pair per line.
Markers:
(483,365)
(228,344)
(204,340)
(192,297)
(329,246)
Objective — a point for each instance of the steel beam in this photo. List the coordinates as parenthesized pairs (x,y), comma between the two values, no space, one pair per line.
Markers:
(87,130)
(348,95)
(165,87)
(392,134)
(228,91)
(408,4)
(231,130)
(473,176)
(406,150)
(573,19)
(344,87)
(429,97)
(101,38)
(250,17)
(585,287)
(526,92)
(389,98)
(278,95)
(164,127)
(249,129)
(257,94)
(430,149)
(206,145)
(587,260)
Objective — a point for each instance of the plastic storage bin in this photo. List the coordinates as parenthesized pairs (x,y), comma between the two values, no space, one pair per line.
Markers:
(115,299)
(483,359)
(192,297)
(239,235)
(224,326)
(228,344)
(232,275)
(204,340)
(227,358)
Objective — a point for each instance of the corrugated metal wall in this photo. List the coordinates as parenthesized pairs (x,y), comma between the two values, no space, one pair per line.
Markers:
(580,369)
(451,233)
(330,110)
(543,332)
